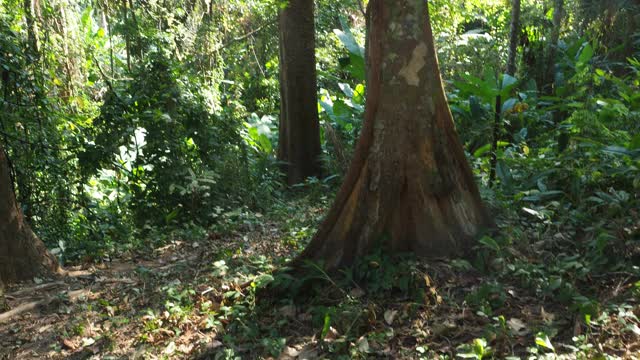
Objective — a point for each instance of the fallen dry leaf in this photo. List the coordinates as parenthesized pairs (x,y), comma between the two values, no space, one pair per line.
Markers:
(69,345)
(518,327)
(389,316)
(363,344)
(331,335)
(356,292)
(289,353)
(288,311)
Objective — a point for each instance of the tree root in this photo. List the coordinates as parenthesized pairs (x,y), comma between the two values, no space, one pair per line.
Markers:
(35,289)
(71,295)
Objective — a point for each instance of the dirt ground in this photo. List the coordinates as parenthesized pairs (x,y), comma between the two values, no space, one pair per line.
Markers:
(112,311)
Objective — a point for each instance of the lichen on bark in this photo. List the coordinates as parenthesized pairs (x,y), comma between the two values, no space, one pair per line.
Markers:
(410,71)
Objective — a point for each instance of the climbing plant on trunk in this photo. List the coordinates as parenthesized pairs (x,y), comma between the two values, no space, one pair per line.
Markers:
(22,254)
(299,136)
(409,184)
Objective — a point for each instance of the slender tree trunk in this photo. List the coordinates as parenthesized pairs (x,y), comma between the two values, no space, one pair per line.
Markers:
(299,139)
(68,67)
(558,14)
(137,30)
(32,28)
(409,185)
(3,303)
(107,20)
(632,29)
(127,40)
(514,35)
(497,120)
(22,254)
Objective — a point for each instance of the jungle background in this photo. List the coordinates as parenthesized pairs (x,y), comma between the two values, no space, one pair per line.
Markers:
(143,134)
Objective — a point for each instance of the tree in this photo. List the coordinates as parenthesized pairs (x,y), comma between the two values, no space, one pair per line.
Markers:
(22,253)
(550,74)
(3,302)
(299,139)
(409,184)
(514,34)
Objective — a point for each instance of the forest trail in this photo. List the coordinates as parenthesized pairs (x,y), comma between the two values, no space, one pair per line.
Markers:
(175,156)
(97,310)
(160,306)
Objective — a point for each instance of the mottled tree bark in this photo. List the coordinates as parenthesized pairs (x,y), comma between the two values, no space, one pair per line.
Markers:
(299,139)
(32,29)
(409,184)
(514,36)
(22,254)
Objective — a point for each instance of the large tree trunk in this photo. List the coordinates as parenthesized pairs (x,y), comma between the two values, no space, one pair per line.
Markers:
(22,254)
(299,140)
(409,184)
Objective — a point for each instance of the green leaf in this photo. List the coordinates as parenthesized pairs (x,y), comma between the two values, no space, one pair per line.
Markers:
(358,96)
(504,173)
(327,104)
(485,89)
(635,143)
(341,112)
(542,340)
(346,89)
(265,144)
(508,80)
(263,280)
(533,212)
(479,345)
(634,329)
(586,54)
(509,104)
(619,150)
(487,147)
(482,150)
(468,355)
(542,195)
(326,326)
(86,19)
(349,41)
(489,243)
(475,107)
(489,77)
(357,67)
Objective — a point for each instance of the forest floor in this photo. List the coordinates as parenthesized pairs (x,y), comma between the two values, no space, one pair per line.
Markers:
(206,298)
